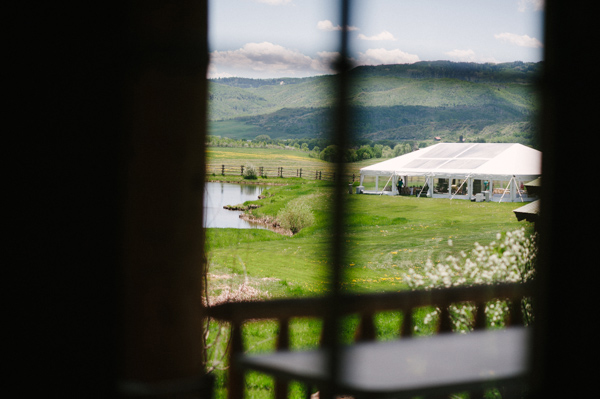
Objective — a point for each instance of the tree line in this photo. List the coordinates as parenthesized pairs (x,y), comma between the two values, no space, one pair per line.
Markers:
(322,148)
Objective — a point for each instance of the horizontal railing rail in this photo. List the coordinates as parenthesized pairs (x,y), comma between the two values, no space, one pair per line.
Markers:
(358,303)
(366,306)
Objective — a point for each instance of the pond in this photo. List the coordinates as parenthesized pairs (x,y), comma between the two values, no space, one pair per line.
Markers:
(218,194)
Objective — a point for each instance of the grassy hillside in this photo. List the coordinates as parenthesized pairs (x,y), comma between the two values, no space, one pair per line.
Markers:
(232,98)
(481,102)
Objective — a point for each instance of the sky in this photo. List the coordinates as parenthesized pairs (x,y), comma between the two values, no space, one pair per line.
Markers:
(299,38)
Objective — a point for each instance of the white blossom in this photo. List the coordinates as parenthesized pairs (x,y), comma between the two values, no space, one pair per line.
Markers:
(510,258)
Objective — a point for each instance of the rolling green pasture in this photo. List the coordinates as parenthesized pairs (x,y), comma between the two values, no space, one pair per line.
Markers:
(265,157)
(278,157)
(385,237)
(234,129)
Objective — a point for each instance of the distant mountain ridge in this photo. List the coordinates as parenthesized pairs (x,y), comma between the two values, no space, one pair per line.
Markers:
(480,102)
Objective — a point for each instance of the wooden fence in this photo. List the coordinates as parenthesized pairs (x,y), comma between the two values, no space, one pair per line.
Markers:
(312,174)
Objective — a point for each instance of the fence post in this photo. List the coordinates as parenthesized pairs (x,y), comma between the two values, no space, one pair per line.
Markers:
(281,175)
(223,170)
(300,172)
(316,174)
(319,175)
(242,169)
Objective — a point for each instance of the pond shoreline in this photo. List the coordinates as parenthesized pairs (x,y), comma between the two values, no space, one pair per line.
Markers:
(270,223)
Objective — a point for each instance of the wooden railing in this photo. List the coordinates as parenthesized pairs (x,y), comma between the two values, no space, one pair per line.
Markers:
(366,306)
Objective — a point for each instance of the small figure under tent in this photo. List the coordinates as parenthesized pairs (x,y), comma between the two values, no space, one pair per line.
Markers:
(474,171)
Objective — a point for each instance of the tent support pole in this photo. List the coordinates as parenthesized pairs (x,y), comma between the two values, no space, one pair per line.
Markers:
(430,190)
(423,188)
(386,184)
(518,189)
(470,188)
(507,188)
(513,186)
(458,189)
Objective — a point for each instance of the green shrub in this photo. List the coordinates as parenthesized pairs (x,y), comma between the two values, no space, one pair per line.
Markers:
(295,216)
(250,172)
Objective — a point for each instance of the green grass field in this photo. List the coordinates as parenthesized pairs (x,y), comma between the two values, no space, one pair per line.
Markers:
(263,157)
(272,158)
(386,236)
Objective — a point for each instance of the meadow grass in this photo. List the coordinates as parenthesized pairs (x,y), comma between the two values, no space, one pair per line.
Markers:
(267,157)
(385,238)
(272,158)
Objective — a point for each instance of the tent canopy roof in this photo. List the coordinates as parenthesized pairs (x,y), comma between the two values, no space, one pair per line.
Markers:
(461,160)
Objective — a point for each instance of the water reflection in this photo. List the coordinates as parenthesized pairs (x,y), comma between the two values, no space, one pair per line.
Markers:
(217,195)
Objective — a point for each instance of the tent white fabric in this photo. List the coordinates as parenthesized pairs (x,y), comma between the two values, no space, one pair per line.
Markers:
(488,162)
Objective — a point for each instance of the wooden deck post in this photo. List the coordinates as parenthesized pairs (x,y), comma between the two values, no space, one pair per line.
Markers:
(283,343)
(366,329)
(163,239)
(235,386)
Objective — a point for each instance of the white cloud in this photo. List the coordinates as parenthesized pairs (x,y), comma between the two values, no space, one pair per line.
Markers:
(519,40)
(385,35)
(324,61)
(214,73)
(468,56)
(270,59)
(462,55)
(382,56)
(327,25)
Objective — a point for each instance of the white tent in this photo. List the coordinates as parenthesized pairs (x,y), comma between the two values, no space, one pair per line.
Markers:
(466,164)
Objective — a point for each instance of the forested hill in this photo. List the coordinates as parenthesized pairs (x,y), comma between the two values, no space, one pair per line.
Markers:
(480,102)
(512,72)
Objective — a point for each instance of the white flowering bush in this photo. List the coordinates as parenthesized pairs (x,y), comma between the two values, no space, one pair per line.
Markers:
(250,172)
(511,258)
